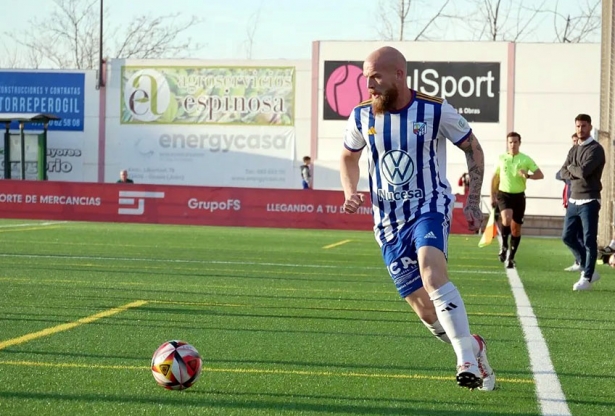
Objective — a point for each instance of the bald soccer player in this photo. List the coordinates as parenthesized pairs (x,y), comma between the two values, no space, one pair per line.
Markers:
(403,132)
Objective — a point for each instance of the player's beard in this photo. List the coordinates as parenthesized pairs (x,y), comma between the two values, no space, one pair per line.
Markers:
(386,101)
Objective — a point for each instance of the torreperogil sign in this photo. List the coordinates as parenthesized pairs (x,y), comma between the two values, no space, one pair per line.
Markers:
(208,95)
(54,92)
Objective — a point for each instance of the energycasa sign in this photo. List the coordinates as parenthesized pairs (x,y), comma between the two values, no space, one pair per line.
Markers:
(202,125)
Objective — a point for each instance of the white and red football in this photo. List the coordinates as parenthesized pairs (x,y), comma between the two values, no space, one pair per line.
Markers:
(176,365)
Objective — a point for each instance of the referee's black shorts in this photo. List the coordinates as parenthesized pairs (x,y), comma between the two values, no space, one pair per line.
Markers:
(516,202)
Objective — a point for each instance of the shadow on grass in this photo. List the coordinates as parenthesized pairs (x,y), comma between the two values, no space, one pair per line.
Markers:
(277,403)
(289,365)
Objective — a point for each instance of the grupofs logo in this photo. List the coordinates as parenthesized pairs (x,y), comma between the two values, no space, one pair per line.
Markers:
(345,88)
(147,95)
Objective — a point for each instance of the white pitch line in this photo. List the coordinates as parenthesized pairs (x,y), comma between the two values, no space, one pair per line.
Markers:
(548,388)
(32,224)
(239,263)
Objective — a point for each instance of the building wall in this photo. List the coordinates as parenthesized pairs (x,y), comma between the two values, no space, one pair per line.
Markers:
(166,149)
(553,84)
(538,90)
(542,87)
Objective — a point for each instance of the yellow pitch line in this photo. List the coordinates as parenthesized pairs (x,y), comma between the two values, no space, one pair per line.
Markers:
(351,374)
(259,371)
(488,296)
(69,325)
(228,305)
(12,230)
(339,243)
(496,315)
(315,308)
(73,365)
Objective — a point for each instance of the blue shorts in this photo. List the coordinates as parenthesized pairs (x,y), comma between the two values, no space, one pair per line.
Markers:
(400,254)
(305,185)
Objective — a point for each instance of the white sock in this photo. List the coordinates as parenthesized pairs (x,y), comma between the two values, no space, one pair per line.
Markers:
(438,331)
(612,244)
(452,315)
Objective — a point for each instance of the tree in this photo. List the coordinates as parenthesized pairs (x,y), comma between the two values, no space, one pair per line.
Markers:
(493,20)
(396,23)
(504,20)
(14,58)
(251,28)
(69,37)
(578,28)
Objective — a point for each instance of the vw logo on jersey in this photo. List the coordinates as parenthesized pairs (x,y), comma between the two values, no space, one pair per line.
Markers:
(397,167)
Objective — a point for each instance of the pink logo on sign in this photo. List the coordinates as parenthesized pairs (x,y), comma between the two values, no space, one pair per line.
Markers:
(345,89)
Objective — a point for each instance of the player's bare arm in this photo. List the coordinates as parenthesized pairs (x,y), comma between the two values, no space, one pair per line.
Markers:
(476,169)
(349,176)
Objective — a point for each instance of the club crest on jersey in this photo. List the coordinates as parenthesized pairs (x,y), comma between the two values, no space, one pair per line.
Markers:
(397,167)
(419,128)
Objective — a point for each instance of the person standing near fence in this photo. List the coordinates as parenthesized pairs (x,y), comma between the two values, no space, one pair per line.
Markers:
(306,173)
(124,177)
(508,185)
(583,168)
(576,266)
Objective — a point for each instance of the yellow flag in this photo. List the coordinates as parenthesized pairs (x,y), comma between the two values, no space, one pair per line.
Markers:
(491,230)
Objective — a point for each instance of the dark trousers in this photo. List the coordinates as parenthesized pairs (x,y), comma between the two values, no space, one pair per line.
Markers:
(581,240)
(583,218)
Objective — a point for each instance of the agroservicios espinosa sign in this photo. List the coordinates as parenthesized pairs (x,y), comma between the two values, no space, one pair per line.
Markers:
(208,95)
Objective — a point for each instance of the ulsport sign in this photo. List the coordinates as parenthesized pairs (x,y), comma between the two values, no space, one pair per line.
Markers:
(473,88)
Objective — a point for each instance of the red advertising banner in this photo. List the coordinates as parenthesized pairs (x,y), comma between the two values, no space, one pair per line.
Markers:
(189,205)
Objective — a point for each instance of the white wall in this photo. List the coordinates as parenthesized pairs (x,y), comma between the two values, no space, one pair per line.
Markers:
(88,139)
(552,83)
(138,147)
(330,133)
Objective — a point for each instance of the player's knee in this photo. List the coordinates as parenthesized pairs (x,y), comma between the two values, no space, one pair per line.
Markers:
(507,220)
(434,277)
(432,267)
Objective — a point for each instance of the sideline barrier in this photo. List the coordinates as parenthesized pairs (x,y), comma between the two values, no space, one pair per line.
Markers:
(459,225)
(187,205)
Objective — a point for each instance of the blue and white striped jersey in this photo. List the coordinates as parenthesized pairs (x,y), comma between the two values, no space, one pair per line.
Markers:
(407,159)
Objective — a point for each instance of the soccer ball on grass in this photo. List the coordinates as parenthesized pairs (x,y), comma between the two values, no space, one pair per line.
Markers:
(176,365)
